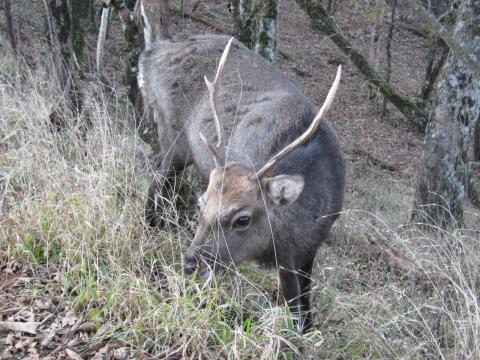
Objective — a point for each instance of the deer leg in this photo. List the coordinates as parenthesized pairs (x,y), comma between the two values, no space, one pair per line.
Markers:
(305,278)
(291,290)
(161,188)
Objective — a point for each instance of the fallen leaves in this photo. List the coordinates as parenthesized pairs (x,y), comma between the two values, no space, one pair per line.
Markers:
(42,328)
(27,327)
(73,355)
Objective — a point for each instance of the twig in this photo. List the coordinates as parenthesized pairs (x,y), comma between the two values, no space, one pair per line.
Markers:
(198,18)
(399,261)
(445,36)
(322,21)
(374,160)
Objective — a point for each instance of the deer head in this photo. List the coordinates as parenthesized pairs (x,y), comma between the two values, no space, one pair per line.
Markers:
(238,209)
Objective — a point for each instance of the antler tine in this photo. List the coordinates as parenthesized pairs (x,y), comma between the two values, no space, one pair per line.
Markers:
(218,150)
(308,133)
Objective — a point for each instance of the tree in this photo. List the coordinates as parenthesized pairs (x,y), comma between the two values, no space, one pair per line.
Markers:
(67,23)
(322,21)
(256,24)
(438,52)
(452,138)
(7,7)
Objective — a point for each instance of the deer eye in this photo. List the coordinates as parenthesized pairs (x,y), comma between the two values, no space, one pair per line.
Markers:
(242,222)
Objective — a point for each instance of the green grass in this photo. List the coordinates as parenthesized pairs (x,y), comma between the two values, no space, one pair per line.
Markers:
(72,204)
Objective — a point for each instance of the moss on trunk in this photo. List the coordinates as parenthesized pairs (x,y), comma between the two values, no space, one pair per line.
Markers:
(322,21)
(255,25)
(445,177)
(80,19)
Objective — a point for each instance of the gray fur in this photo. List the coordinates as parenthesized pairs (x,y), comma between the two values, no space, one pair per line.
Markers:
(262,112)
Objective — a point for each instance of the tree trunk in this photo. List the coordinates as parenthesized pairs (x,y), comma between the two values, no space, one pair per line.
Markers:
(7,7)
(134,43)
(444,34)
(255,24)
(68,22)
(322,21)
(374,51)
(388,48)
(444,179)
(436,60)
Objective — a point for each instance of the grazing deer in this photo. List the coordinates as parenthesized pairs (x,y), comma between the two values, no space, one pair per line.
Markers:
(275,171)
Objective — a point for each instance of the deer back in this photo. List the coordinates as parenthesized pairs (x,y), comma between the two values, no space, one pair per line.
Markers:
(260,109)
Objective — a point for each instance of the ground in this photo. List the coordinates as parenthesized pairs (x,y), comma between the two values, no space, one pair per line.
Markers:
(79,267)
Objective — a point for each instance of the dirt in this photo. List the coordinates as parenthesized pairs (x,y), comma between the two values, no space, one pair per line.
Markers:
(54,330)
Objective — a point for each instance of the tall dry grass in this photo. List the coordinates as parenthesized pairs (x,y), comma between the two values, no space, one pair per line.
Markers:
(71,203)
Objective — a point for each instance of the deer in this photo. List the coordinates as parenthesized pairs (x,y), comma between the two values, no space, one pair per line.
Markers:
(272,168)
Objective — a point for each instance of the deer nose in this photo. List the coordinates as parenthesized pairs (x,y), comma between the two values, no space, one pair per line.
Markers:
(190,264)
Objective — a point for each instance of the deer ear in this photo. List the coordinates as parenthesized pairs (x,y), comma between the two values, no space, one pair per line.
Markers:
(284,190)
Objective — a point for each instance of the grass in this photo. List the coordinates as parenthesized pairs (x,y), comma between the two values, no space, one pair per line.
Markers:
(72,211)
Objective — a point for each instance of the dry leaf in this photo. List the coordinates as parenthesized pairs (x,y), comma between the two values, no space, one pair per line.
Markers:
(87,327)
(102,354)
(73,355)
(9,340)
(75,327)
(69,319)
(52,332)
(42,305)
(28,327)
(121,353)
(32,349)
(8,353)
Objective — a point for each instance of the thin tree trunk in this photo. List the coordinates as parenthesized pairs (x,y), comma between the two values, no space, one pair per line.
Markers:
(134,43)
(467,59)
(67,22)
(265,38)
(7,7)
(374,55)
(445,177)
(388,70)
(255,24)
(323,22)
(436,60)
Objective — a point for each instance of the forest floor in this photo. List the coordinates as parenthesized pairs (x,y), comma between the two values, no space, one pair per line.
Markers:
(79,268)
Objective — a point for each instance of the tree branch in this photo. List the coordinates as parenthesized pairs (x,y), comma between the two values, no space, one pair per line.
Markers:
(322,21)
(446,37)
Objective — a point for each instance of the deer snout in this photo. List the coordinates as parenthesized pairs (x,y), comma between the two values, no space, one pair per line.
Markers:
(189,263)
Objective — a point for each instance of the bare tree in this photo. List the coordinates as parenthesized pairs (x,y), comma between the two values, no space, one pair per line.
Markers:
(388,69)
(438,52)
(256,24)
(7,7)
(451,142)
(375,32)
(444,34)
(437,56)
(322,21)
(68,22)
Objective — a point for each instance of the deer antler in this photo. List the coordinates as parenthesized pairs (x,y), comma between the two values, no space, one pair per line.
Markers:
(307,134)
(217,150)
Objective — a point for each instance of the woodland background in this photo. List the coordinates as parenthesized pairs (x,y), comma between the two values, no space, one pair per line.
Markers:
(83,277)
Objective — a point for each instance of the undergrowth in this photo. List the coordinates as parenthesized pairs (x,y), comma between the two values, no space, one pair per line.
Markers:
(71,201)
